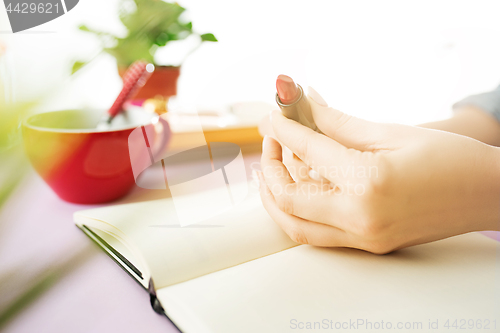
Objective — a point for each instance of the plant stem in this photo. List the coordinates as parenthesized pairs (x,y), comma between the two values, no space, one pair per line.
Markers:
(38,283)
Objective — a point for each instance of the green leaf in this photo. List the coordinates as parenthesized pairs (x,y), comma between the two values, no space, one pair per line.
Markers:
(83,27)
(162,39)
(150,24)
(129,50)
(12,166)
(151,16)
(27,289)
(77,65)
(208,38)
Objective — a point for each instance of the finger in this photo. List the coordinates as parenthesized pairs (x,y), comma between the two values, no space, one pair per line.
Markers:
(306,200)
(297,168)
(265,127)
(301,172)
(299,230)
(321,153)
(271,162)
(353,132)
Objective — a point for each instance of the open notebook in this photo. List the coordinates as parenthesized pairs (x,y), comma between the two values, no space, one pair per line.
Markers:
(238,272)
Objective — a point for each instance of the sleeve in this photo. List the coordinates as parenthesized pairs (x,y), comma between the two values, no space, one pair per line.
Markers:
(488,102)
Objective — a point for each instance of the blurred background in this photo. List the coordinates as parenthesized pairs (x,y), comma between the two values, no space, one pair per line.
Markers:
(393,61)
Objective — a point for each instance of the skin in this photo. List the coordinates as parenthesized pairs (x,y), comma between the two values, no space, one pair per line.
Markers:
(471,122)
(381,187)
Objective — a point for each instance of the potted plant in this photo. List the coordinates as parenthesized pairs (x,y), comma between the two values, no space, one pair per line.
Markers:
(150,24)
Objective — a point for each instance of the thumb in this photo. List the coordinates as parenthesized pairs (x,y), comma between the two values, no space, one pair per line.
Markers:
(350,131)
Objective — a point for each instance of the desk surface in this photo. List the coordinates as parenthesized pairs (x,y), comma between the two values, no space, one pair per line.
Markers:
(37,230)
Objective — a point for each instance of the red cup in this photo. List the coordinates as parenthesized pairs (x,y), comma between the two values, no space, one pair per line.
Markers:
(85,165)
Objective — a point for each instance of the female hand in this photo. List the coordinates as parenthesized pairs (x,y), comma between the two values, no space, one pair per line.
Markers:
(389,186)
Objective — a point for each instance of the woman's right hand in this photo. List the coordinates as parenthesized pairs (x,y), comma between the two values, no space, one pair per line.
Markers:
(393,185)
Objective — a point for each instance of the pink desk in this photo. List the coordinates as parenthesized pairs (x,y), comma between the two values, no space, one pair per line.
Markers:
(37,229)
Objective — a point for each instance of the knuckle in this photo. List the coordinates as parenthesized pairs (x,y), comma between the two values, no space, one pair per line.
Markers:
(297,235)
(372,226)
(285,203)
(380,247)
(303,146)
(342,121)
(375,232)
(377,190)
(375,212)
(370,229)
(380,182)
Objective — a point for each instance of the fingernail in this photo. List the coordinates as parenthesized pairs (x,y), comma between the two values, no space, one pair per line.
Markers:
(316,97)
(271,115)
(264,142)
(313,174)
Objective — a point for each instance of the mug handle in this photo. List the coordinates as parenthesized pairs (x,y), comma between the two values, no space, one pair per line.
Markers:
(147,146)
(163,131)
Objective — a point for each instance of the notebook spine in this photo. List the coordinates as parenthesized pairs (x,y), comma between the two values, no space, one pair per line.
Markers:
(155,302)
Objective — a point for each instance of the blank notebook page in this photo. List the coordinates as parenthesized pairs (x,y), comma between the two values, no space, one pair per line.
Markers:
(445,280)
